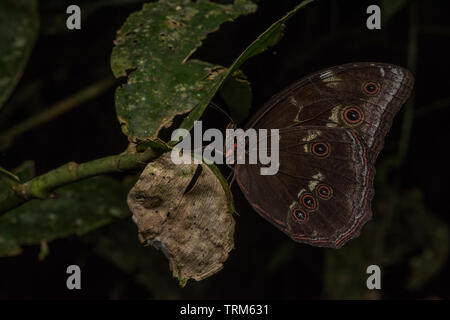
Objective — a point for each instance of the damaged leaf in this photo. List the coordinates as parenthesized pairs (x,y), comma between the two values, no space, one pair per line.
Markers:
(184,211)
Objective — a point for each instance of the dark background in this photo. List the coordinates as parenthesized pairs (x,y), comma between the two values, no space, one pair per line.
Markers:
(265,263)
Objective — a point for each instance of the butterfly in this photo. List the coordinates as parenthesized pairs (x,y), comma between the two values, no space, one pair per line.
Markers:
(332,126)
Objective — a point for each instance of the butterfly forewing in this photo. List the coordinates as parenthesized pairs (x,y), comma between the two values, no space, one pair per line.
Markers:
(363,97)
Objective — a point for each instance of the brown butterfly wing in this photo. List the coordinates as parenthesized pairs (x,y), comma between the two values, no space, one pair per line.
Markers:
(333,97)
(348,107)
(301,180)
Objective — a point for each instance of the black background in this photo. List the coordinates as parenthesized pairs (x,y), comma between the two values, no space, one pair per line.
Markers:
(324,34)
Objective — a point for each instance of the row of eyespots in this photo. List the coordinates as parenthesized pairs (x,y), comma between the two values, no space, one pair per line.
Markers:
(309,202)
(352,115)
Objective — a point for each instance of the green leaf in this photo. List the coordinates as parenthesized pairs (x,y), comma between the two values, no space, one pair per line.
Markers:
(156,144)
(18,31)
(267,39)
(153,47)
(237,94)
(78,208)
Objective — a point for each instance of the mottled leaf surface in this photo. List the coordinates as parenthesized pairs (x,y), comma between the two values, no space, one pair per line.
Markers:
(18,31)
(184,211)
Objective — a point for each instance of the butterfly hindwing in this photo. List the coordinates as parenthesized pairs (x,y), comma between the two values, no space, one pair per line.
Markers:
(321,193)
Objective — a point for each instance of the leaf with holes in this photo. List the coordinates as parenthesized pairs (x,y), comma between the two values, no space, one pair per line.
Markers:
(18,31)
(153,48)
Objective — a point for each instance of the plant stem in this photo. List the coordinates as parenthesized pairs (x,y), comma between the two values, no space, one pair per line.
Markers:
(7,136)
(42,186)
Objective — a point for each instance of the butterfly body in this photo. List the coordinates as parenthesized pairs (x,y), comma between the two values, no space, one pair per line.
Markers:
(332,126)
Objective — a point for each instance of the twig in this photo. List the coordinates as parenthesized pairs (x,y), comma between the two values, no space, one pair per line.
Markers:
(42,186)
